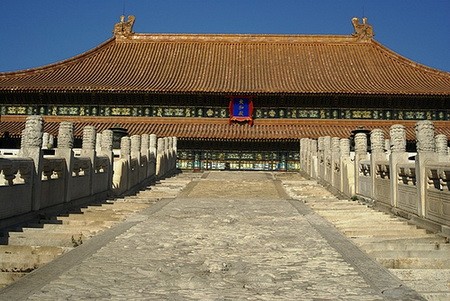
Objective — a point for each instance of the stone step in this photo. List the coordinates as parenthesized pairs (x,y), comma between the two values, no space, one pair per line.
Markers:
(63,229)
(24,263)
(415,263)
(405,246)
(97,217)
(385,233)
(443,254)
(45,239)
(6,278)
(431,239)
(394,226)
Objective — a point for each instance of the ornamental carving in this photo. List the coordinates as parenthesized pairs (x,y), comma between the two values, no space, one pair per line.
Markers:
(441,144)
(425,136)
(124,28)
(335,145)
(89,135)
(32,135)
(363,31)
(145,143)
(107,140)
(65,135)
(125,147)
(398,138)
(135,143)
(320,143)
(377,140)
(361,143)
(344,145)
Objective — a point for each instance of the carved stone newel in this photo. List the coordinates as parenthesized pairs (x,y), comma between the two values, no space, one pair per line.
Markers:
(32,135)
(377,140)
(441,145)
(344,145)
(425,136)
(65,135)
(398,138)
(361,143)
(89,136)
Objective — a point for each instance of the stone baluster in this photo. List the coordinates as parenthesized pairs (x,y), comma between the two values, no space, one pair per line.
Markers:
(166,155)
(153,154)
(175,153)
(360,154)
(314,155)
(335,162)
(45,140)
(160,158)
(136,155)
(31,146)
(377,145)
(169,153)
(106,149)
(398,155)
(426,146)
(65,151)
(145,153)
(125,154)
(442,148)
(302,153)
(327,158)
(98,142)
(347,170)
(321,158)
(88,150)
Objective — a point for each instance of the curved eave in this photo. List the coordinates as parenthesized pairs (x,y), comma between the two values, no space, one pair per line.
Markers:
(126,65)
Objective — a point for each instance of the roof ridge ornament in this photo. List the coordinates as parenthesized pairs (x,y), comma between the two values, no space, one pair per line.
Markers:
(363,31)
(124,28)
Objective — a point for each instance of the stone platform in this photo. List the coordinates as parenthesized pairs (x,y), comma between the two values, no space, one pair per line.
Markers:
(226,236)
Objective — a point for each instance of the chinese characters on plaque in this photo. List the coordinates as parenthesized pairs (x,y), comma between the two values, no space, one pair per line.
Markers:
(241,109)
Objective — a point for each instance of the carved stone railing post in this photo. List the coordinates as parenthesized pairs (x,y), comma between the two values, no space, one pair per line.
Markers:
(303,154)
(88,150)
(314,167)
(153,150)
(398,156)
(347,168)
(136,155)
(31,147)
(442,148)
(175,153)
(377,145)
(160,158)
(125,154)
(360,154)
(425,155)
(170,153)
(327,158)
(335,163)
(65,151)
(45,137)
(106,149)
(321,158)
(145,153)
(98,142)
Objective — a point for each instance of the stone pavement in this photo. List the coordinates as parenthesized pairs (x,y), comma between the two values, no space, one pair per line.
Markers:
(227,236)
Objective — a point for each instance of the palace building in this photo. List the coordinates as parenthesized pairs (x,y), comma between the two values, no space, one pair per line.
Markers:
(235,101)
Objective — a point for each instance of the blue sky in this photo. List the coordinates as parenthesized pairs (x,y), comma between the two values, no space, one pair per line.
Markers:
(39,32)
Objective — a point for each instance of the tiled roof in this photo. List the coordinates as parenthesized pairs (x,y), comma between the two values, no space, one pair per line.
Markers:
(235,64)
(219,129)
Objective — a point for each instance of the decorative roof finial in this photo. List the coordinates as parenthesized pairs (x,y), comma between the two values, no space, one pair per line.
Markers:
(363,31)
(124,28)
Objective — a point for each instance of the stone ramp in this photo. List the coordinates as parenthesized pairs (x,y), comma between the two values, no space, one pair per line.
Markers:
(39,242)
(420,259)
(209,245)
